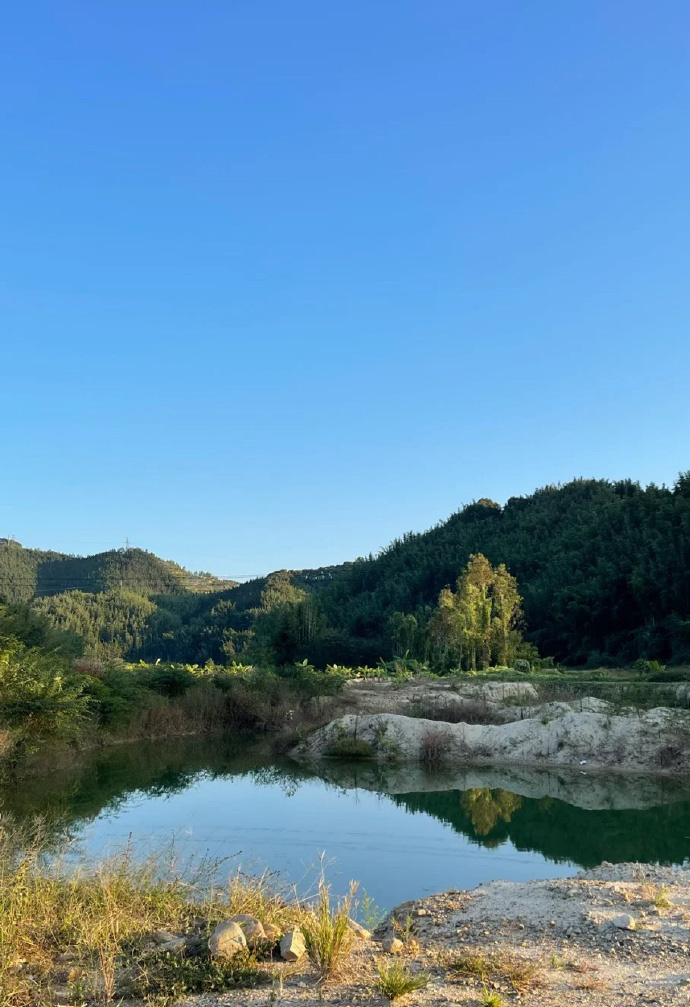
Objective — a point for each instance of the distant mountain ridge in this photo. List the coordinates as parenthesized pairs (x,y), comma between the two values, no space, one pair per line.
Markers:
(26,574)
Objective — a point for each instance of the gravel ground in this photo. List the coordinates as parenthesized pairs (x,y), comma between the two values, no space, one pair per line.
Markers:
(565,927)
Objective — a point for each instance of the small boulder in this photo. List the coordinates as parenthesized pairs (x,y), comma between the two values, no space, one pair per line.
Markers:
(624,922)
(163,936)
(292,946)
(393,946)
(253,929)
(175,945)
(359,930)
(226,940)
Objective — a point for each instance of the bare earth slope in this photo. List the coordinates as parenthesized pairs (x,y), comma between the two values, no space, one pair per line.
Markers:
(586,732)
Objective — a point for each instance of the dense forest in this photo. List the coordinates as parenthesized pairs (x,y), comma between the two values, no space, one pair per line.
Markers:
(603,570)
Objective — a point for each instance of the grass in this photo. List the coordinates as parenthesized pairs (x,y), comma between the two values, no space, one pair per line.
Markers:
(327,934)
(88,927)
(490,999)
(396,980)
(170,977)
(656,894)
(484,966)
(351,748)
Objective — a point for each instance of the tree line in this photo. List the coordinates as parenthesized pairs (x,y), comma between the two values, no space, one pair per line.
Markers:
(592,573)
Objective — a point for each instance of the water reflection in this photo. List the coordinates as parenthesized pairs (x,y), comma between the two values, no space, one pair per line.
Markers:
(384,820)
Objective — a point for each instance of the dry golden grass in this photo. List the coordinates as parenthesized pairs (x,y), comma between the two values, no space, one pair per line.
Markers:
(83,926)
(327,934)
(482,966)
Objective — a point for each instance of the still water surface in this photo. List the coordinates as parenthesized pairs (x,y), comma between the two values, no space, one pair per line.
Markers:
(401,833)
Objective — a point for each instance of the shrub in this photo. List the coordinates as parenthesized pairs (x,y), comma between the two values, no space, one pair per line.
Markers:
(170,977)
(351,748)
(39,694)
(434,747)
(646,667)
(395,980)
(490,999)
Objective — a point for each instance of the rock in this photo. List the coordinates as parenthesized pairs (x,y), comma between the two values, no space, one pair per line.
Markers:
(163,936)
(393,946)
(358,930)
(175,945)
(252,929)
(63,996)
(421,912)
(226,940)
(624,922)
(292,946)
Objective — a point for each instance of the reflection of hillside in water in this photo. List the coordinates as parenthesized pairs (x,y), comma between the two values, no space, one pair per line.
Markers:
(560,831)
(562,815)
(103,780)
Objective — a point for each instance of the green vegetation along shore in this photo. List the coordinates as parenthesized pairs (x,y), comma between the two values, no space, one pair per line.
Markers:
(124,645)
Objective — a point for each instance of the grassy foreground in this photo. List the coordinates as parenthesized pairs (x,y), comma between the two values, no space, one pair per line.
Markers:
(79,933)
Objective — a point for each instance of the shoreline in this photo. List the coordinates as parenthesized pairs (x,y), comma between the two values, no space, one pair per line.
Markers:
(616,934)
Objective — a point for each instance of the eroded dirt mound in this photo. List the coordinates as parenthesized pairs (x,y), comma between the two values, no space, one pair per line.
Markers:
(652,740)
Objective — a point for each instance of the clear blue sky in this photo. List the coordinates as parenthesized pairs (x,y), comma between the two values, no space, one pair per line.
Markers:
(280,281)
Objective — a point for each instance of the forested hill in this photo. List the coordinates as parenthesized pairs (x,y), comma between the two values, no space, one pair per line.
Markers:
(604,570)
(26,574)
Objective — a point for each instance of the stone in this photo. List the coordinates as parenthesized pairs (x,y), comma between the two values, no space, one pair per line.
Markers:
(251,927)
(163,936)
(226,940)
(393,946)
(624,922)
(360,931)
(292,946)
(273,933)
(421,912)
(174,946)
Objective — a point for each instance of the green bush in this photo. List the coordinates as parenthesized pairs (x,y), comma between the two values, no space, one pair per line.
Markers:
(39,694)
(646,667)
(351,748)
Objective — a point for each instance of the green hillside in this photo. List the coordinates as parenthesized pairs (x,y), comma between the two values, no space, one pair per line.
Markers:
(603,569)
(26,574)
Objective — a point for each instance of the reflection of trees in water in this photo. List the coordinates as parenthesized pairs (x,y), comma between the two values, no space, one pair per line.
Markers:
(103,781)
(486,807)
(559,831)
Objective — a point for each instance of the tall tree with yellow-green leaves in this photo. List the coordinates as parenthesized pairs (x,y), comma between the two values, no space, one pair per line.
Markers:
(477,625)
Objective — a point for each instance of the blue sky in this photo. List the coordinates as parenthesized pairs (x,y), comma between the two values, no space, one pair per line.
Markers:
(281,281)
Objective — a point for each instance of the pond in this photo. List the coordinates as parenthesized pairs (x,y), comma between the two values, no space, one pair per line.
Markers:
(402,833)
